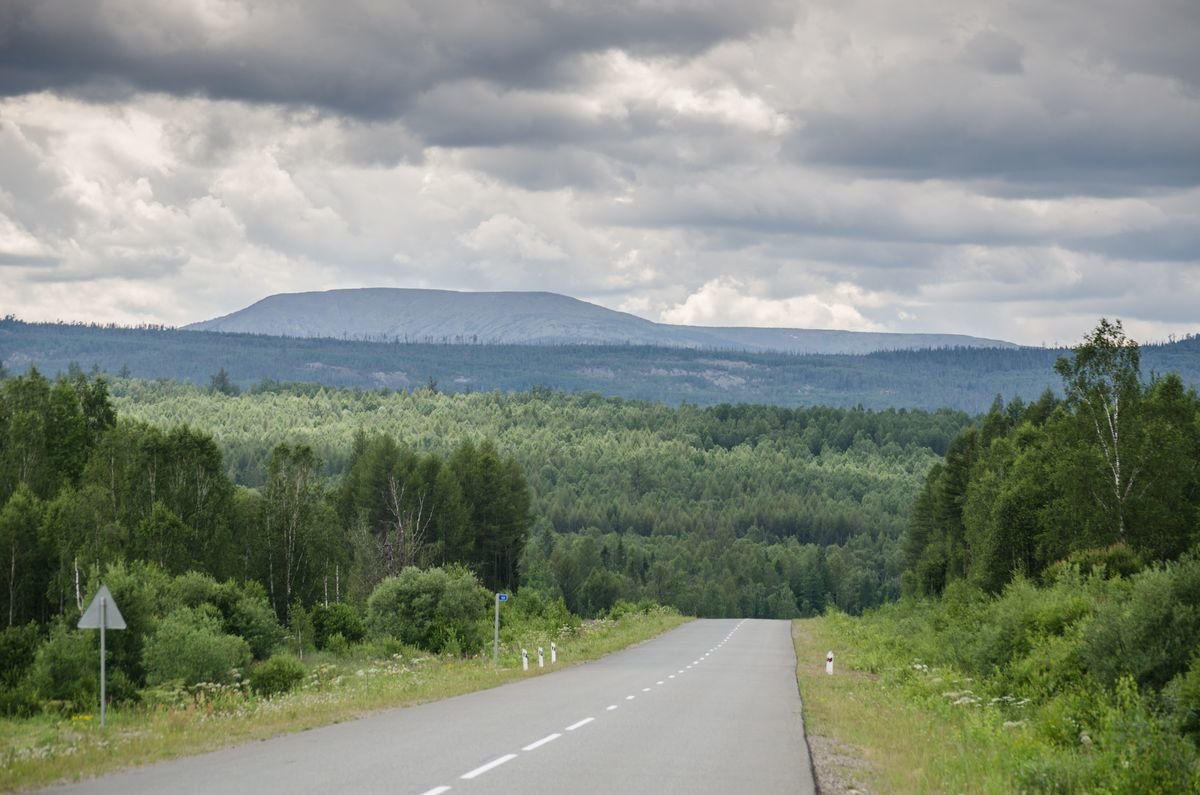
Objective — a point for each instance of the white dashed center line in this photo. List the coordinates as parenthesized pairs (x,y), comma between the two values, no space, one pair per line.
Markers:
(547,739)
(479,771)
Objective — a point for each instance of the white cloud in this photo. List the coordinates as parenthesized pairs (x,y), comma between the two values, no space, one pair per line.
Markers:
(505,237)
(980,168)
(726,302)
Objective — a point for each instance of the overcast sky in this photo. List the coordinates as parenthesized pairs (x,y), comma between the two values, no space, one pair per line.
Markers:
(1005,169)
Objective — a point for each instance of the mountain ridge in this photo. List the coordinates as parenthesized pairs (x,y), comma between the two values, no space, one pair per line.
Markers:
(533,318)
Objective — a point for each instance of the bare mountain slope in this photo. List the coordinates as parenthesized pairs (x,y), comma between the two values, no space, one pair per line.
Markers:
(530,318)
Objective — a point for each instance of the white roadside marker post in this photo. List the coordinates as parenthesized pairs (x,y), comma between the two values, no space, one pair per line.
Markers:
(553,653)
(829,663)
(541,659)
(524,660)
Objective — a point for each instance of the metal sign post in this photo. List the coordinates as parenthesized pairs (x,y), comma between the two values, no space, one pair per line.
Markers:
(500,597)
(102,614)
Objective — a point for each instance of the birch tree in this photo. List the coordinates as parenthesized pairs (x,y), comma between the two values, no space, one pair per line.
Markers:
(1103,385)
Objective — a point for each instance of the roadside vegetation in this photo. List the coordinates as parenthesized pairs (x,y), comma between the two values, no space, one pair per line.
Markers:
(1088,684)
(304,684)
(1049,638)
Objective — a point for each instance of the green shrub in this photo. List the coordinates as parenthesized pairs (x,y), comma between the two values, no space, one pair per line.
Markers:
(194,588)
(431,609)
(1152,634)
(67,668)
(1141,753)
(599,592)
(277,675)
(18,699)
(189,647)
(337,645)
(143,593)
(1183,697)
(18,647)
(1118,560)
(253,620)
(337,619)
(244,610)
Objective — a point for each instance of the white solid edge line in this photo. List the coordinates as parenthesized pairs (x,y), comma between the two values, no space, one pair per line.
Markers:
(479,771)
(547,739)
(579,723)
(436,791)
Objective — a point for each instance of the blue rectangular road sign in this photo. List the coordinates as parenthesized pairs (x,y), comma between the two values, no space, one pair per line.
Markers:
(503,597)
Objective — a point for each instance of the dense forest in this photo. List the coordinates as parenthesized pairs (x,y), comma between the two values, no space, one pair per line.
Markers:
(1053,560)
(312,492)
(223,521)
(963,378)
(1109,473)
(820,493)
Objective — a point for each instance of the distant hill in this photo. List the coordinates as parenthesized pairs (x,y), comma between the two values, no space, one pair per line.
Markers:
(961,378)
(516,318)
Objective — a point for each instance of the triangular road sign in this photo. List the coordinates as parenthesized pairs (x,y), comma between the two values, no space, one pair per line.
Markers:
(111,616)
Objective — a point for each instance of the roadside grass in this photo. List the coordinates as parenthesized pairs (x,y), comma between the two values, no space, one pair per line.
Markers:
(47,749)
(901,727)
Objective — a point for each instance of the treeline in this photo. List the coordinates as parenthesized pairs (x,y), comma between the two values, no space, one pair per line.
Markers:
(687,482)
(714,574)
(962,378)
(81,489)
(1109,474)
(728,510)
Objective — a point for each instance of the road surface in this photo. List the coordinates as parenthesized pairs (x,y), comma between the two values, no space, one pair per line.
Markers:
(710,707)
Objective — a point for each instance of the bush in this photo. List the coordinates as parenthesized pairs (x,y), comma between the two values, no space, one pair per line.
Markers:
(431,609)
(244,610)
(337,619)
(1118,560)
(18,645)
(1183,696)
(189,647)
(18,649)
(67,668)
(337,645)
(194,588)
(253,620)
(277,675)
(1152,634)
(143,593)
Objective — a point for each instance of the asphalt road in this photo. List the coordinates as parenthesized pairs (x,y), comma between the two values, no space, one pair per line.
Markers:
(711,707)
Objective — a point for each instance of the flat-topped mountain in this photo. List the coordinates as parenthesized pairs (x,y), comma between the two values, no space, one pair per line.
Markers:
(532,318)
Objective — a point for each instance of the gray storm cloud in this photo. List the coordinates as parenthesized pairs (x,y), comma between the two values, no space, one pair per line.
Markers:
(939,166)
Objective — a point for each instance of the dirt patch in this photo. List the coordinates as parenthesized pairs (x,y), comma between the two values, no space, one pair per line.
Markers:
(837,767)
